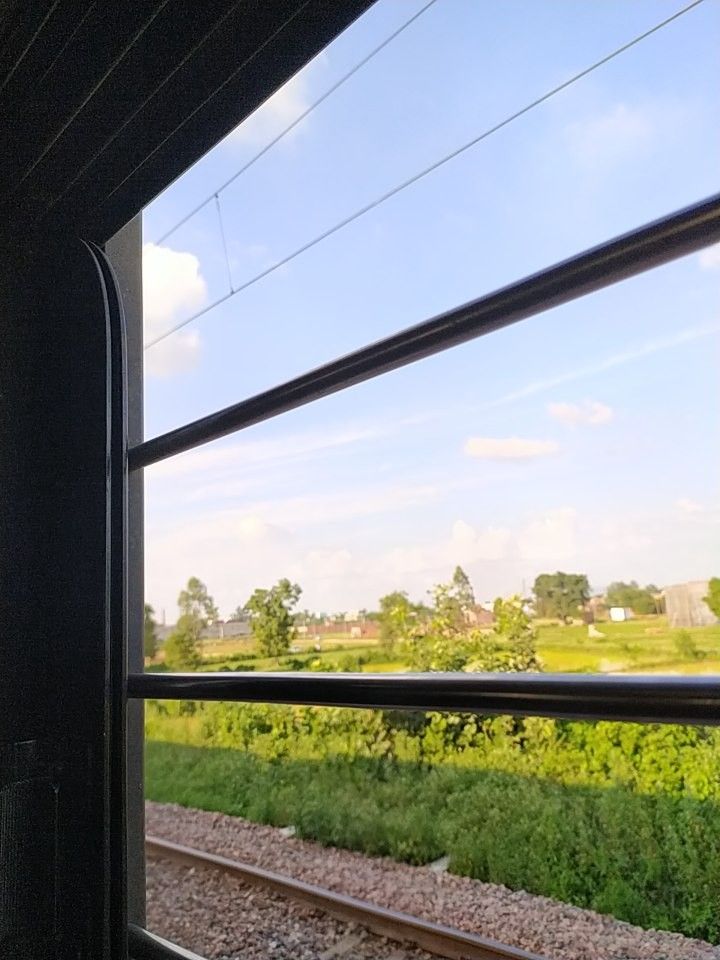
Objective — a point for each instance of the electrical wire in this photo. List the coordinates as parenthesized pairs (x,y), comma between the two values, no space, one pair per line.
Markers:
(424,172)
(224,243)
(299,119)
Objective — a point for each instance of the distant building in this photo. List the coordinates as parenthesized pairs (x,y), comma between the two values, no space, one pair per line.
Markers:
(163,631)
(620,614)
(596,609)
(480,616)
(218,630)
(225,629)
(685,606)
(357,629)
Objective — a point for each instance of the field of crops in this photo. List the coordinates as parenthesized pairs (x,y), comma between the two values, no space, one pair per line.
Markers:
(645,645)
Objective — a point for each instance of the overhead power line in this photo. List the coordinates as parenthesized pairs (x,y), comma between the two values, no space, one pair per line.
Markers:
(298,120)
(424,172)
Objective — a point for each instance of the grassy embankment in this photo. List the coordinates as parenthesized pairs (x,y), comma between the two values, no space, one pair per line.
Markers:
(620,818)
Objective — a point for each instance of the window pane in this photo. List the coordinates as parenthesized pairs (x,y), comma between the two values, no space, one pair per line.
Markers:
(635,140)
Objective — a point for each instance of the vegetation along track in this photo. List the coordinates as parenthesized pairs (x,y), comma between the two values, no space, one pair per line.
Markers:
(433,937)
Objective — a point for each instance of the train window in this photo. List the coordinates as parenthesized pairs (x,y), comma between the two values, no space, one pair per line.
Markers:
(322,615)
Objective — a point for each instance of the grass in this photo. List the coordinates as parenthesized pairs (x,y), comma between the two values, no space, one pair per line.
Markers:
(238,647)
(651,860)
(643,645)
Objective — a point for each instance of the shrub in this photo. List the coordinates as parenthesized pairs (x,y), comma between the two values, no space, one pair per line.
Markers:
(181,647)
(686,647)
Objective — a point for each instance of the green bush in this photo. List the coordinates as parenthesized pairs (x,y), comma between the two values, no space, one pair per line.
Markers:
(686,646)
(621,818)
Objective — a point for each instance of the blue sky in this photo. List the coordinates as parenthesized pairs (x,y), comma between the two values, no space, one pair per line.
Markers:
(585,438)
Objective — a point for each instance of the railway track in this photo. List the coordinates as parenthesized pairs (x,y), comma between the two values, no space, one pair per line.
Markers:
(435,938)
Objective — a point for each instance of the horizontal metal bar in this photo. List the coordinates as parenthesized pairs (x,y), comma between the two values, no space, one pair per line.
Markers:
(632,253)
(143,945)
(651,699)
(434,937)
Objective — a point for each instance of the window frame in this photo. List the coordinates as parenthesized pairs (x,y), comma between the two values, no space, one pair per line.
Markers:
(658,699)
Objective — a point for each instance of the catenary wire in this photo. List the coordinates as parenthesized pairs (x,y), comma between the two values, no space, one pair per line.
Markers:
(298,120)
(224,243)
(357,214)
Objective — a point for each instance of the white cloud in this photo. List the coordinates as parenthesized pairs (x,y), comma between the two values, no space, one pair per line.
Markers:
(265,539)
(349,565)
(710,257)
(508,448)
(173,287)
(549,536)
(686,505)
(326,564)
(278,111)
(222,474)
(211,461)
(609,363)
(612,136)
(251,529)
(178,354)
(307,511)
(629,539)
(552,536)
(469,543)
(590,412)
(464,544)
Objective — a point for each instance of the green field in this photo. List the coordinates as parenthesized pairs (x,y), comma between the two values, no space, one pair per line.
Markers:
(645,645)
(241,646)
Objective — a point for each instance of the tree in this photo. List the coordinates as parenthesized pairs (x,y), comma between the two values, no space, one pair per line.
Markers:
(639,600)
(273,622)
(713,597)
(198,607)
(444,643)
(149,633)
(397,617)
(462,590)
(195,601)
(181,647)
(560,594)
(515,636)
(197,610)
(454,601)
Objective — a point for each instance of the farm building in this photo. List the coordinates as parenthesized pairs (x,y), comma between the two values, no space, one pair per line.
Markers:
(480,616)
(345,628)
(219,630)
(685,606)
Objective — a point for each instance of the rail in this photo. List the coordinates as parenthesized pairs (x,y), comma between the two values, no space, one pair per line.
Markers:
(625,256)
(641,699)
(434,937)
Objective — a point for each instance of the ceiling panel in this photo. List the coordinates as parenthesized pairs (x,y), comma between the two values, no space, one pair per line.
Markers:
(104,105)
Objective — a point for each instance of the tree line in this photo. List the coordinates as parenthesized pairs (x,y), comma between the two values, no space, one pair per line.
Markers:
(270,612)
(442,634)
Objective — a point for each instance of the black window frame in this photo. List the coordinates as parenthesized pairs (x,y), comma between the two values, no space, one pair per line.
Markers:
(653,699)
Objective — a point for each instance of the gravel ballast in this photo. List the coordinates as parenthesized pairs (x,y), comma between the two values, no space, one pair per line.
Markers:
(555,930)
(221,918)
